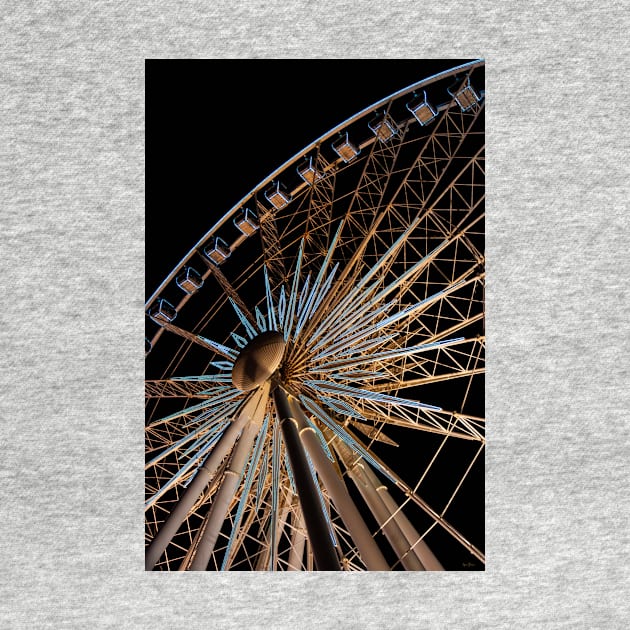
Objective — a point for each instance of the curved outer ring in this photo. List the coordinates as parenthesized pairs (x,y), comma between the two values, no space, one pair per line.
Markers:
(300,155)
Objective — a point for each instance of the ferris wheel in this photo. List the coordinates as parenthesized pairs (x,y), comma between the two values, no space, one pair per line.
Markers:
(315,363)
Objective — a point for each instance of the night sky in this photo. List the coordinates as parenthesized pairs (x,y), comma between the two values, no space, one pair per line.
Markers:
(216,128)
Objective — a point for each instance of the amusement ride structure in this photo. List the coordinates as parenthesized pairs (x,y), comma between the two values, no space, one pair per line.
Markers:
(315,363)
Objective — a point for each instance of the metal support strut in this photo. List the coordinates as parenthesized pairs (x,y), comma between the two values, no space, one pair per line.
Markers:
(368,549)
(221,504)
(326,558)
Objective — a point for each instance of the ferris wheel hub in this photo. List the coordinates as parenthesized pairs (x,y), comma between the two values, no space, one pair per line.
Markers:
(258,360)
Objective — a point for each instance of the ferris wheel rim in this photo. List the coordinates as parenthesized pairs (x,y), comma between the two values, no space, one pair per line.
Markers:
(469,66)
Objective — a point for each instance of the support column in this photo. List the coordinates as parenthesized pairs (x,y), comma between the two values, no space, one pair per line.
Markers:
(419,547)
(369,492)
(298,539)
(225,494)
(326,558)
(263,560)
(280,525)
(262,564)
(205,474)
(368,549)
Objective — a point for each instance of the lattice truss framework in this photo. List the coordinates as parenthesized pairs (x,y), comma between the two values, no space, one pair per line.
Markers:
(374,273)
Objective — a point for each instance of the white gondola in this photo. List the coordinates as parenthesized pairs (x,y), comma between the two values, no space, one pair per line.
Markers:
(163,312)
(246,222)
(465,95)
(383,127)
(307,171)
(345,149)
(422,110)
(189,280)
(217,250)
(277,195)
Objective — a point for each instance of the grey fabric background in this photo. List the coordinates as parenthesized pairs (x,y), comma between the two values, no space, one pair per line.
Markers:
(71,367)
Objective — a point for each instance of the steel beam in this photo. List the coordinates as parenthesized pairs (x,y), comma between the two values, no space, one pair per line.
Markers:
(369,491)
(233,474)
(298,538)
(325,556)
(350,515)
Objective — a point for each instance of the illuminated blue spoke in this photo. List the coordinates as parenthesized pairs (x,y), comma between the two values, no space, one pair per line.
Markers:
(210,378)
(262,477)
(342,407)
(225,411)
(404,352)
(204,438)
(219,347)
(260,320)
(303,298)
(348,342)
(275,488)
(198,378)
(339,315)
(282,304)
(219,385)
(288,321)
(342,434)
(406,312)
(209,392)
(357,375)
(407,275)
(206,404)
(369,344)
(415,308)
(388,355)
(251,472)
(314,300)
(325,288)
(249,329)
(223,365)
(350,296)
(322,501)
(364,394)
(172,448)
(241,342)
(329,254)
(327,323)
(213,419)
(271,313)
